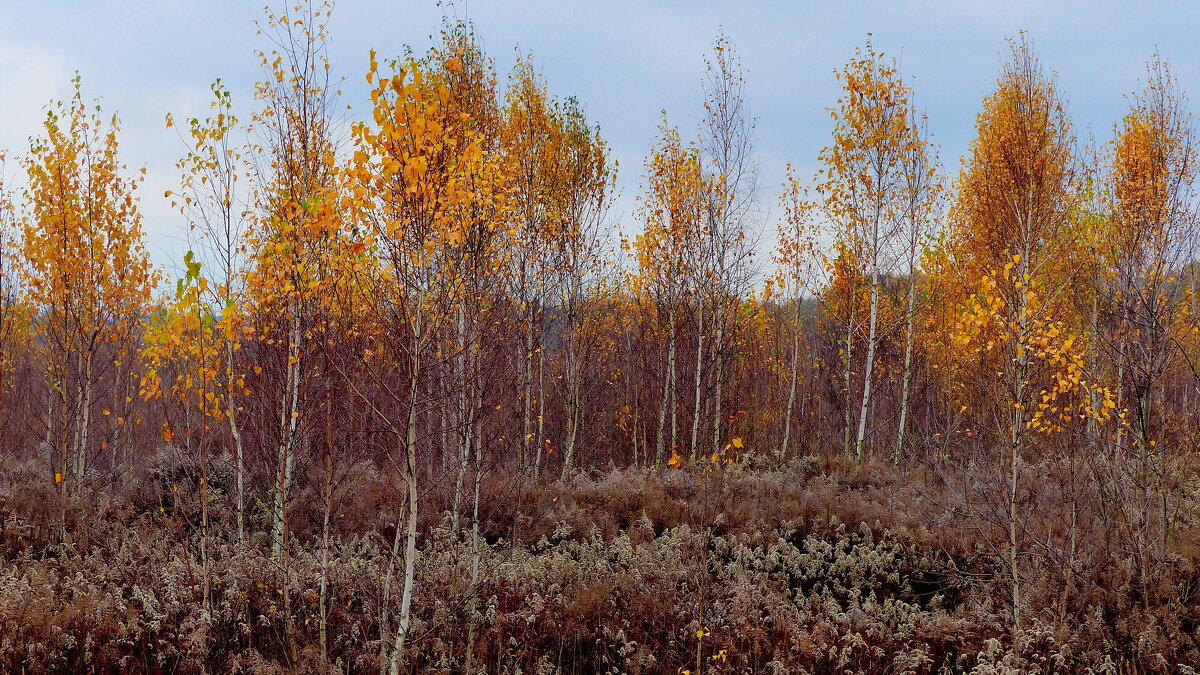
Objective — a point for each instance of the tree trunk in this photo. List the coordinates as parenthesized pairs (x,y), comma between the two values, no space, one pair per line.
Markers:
(326,517)
(541,412)
(1017,441)
(527,393)
(236,434)
(461,423)
(85,416)
(205,565)
(385,604)
(718,409)
(868,372)
(906,376)
(410,545)
(668,395)
(674,402)
(289,419)
(476,554)
(574,405)
(793,377)
(847,354)
(698,380)
(59,462)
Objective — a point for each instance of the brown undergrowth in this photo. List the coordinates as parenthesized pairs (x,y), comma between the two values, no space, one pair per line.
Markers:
(828,567)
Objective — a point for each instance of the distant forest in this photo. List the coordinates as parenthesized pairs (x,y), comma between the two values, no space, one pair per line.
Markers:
(411,404)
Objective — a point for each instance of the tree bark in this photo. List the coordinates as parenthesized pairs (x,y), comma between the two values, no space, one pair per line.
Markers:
(872,321)
(906,376)
(289,419)
(410,545)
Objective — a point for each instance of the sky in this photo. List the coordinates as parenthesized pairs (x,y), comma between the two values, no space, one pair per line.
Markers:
(626,60)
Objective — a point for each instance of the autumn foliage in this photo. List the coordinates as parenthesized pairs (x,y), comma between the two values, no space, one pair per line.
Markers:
(414,401)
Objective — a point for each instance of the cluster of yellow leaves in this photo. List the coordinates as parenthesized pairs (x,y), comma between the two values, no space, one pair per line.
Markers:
(1017,191)
(1067,391)
(796,252)
(862,185)
(559,174)
(86,270)
(420,175)
(729,455)
(298,243)
(1070,394)
(673,210)
(1012,225)
(14,319)
(184,337)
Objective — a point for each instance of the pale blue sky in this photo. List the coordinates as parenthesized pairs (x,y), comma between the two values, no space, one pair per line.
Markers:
(625,59)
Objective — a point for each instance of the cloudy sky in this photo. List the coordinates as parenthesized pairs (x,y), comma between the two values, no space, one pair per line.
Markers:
(627,60)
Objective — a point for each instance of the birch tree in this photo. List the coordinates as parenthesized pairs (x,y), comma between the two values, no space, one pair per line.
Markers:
(87,275)
(863,189)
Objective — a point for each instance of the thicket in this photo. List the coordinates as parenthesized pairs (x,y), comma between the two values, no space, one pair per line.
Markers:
(818,568)
(412,405)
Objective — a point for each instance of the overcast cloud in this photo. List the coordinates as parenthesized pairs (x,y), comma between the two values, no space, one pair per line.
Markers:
(626,60)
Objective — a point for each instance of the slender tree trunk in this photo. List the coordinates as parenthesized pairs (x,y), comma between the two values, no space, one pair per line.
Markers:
(793,377)
(326,518)
(1093,423)
(289,625)
(696,413)
(85,417)
(868,372)
(635,432)
(574,420)
(385,618)
(1143,519)
(1013,542)
(527,393)
(205,563)
(289,419)
(461,422)
(476,554)
(574,405)
(718,359)
(637,427)
(236,434)
(410,546)
(1069,572)
(668,397)
(1017,445)
(446,430)
(910,319)
(59,462)
(541,412)
(673,404)
(847,360)
(286,472)
(660,438)
(1122,346)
